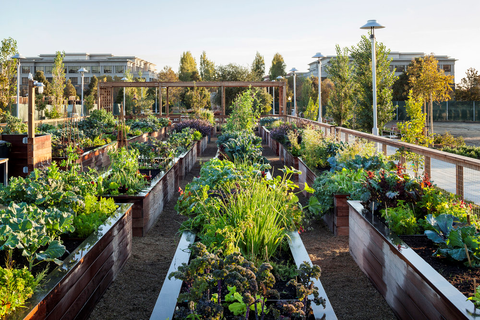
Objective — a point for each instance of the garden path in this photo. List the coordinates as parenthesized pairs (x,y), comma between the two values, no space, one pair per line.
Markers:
(133,294)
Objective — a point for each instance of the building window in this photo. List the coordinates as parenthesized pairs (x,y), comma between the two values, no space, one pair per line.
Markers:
(73,69)
(49,79)
(74,80)
(86,80)
(24,81)
(25,69)
(447,68)
(48,69)
(40,69)
(95,69)
(107,69)
(400,68)
(119,69)
(390,67)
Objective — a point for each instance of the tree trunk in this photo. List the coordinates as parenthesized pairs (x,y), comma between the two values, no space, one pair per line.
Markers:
(431,114)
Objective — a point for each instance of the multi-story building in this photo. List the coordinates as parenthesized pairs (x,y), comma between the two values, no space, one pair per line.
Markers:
(400,62)
(98,65)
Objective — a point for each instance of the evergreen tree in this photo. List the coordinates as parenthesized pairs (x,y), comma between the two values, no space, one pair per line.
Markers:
(342,97)
(188,65)
(312,110)
(207,68)
(231,72)
(58,84)
(8,73)
(92,87)
(278,67)
(362,61)
(469,87)
(40,77)
(306,93)
(70,90)
(258,67)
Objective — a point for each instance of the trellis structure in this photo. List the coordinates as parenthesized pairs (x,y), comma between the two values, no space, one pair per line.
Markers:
(106,89)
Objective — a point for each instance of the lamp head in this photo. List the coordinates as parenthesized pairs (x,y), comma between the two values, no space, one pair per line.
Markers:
(18,56)
(372,24)
(82,70)
(293,70)
(40,86)
(319,56)
(30,76)
(279,78)
(124,79)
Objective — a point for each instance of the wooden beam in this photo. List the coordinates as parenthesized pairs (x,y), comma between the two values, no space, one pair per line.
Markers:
(263,84)
(31,109)
(167,107)
(459,181)
(160,99)
(223,101)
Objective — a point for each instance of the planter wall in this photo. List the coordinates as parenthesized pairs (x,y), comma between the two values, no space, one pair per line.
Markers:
(337,221)
(412,288)
(96,159)
(307,176)
(186,161)
(74,287)
(167,299)
(33,154)
(202,145)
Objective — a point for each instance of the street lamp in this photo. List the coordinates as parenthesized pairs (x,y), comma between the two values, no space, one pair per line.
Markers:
(82,71)
(19,57)
(124,79)
(294,91)
(273,92)
(372,25)
(319,56)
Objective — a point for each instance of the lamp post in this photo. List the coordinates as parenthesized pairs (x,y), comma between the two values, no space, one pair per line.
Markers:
(372,25)
(19,57)
(273,91)
(31,103)
(82,71)
(319,56)
(294,91)
(124,107)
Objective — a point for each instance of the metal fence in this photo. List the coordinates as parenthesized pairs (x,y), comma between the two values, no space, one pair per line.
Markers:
(445,111)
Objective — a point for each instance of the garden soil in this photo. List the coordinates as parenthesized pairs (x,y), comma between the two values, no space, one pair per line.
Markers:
(133,294)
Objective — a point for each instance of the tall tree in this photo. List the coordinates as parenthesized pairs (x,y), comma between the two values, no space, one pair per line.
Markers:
(58,83)
(188,66)
(469,87)
(258,67)
(207,68)
(8,72)
(231,72)
(278,67)
(362,61)
(92,87)
(306,93)
(40,77)
(429,83)
(168,75)
(70,90)
(342,97)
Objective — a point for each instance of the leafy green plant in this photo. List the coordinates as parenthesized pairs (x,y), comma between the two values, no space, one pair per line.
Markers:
(28,229)
(243,116)
(476,298)
(96,211)
(401,219)
(14,125)
(245,147)
(16,287)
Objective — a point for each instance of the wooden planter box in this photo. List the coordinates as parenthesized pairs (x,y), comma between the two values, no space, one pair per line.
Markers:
(412,288)
(267,137)
(32,154)
(148,204)
(73,288)
(167,299)
(96,159)
(337,221)
(202,145)
(186,161)
(307,176)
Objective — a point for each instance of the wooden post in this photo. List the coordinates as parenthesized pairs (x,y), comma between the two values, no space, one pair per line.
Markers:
(98,95)
(112,99)
(223,102)
(459,181)
(428,167)
(384,149)
(280,101)
(167,106)
(160,99)
(31,110)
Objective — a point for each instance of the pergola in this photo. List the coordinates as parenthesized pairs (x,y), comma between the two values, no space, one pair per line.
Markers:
(106,98)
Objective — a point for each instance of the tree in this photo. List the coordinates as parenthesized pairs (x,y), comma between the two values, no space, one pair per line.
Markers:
(8,69)
(263,103)
(327,86)
(188,65)
(278,67)
(342,97)
(429,83)
(306,93)
(258,67)
(197,98)
(207,68)
(362,61)
(58,84)
(312,110)
(231,72)
(40,77)
(469,87)
(92,87)
(168,75)
(70,90)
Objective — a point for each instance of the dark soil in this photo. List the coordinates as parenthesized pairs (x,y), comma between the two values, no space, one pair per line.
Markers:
(459,275)
(134,292)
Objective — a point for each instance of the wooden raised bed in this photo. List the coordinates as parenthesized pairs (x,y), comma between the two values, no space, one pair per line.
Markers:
(73,288)
(167,299)
(307,176)
(337,221)
(32,154)
(412,288)
(202,145)
(186,161)
(97,158)
(148,204)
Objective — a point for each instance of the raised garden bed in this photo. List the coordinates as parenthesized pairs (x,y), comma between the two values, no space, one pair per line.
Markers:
(96,159)
(167,299)
(307,176)
(74,287)
(337,221)
(30,154)
(202,145)
(412,288)
(148,204)
(186,161)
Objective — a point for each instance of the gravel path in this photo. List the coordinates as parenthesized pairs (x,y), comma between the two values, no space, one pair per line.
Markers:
(134,293)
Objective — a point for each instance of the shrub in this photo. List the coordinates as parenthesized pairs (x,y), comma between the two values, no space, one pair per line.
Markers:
(202,126)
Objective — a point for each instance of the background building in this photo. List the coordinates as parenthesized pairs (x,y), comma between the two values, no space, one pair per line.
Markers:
(96,64)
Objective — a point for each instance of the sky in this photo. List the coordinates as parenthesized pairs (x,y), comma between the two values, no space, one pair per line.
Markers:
(233,31)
